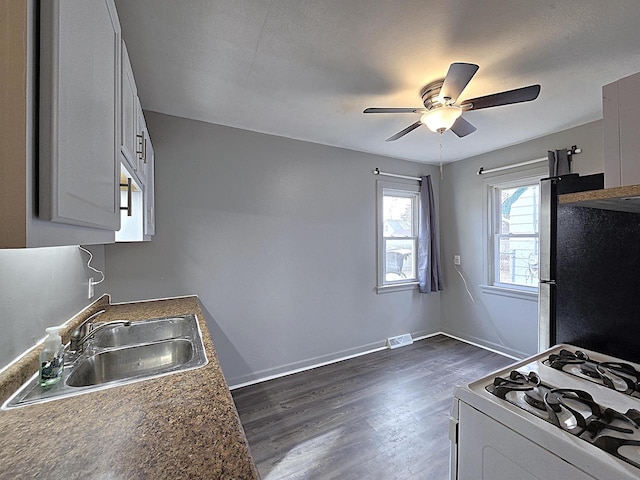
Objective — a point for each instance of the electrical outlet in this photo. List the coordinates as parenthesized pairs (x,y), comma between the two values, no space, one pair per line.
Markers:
(91,293)
(456,259)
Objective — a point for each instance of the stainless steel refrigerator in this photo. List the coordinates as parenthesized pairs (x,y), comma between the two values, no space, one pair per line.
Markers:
(551,230)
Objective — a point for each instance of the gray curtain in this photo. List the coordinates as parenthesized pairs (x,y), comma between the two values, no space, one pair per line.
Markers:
(429,271)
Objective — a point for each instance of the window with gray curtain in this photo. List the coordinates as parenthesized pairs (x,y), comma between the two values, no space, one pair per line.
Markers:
(398,210)
(429,269)
(408,237)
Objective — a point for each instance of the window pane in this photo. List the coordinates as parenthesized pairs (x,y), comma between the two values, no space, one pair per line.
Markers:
(518,261)
(397,234)
(397,216)
(519,210)
(400,256)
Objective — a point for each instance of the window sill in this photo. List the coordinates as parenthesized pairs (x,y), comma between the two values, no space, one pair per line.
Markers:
(396,288)
(510,292)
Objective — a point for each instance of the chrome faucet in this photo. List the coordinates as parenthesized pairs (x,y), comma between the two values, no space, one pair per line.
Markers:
(82,330)
(79,344)
(85,331)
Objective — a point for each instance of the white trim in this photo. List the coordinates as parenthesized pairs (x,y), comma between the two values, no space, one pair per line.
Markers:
(348,357)
(507,180)
(22,355)
(152,299)
(484,347)
(403,190)
(304,369)
(389,288)
(531,296)
(428,335)
(108,296)
(41,341)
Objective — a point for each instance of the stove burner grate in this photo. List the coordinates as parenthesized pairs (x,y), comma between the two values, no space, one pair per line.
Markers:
(535,398)
(589,370)
(574,411)
(618,376)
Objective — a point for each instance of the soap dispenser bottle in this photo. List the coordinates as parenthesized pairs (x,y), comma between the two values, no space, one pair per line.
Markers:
(51,358)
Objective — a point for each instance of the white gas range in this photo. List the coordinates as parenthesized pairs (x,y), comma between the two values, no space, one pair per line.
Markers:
(564,414)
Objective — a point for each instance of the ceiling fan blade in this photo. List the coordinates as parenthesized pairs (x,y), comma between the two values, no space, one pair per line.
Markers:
(394,110)
(524,94)
(402,133)
(458,76)
(462,128)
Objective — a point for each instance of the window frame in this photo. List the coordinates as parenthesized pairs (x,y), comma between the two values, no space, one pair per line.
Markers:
(491,221)
(409,190)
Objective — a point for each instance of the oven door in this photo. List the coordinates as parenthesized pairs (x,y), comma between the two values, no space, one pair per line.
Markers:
(488,450)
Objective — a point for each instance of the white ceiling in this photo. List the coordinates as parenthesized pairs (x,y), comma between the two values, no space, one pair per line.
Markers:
(306,69)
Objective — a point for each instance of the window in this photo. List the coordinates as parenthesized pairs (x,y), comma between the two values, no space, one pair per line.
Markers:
(397,234)
(514,231)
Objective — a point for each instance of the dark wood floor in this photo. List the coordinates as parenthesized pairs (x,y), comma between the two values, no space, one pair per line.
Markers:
(379,416)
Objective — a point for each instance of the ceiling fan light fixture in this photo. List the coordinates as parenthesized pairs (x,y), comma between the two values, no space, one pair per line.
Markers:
(441,118)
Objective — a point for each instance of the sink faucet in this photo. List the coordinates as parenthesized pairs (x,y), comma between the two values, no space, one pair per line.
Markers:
(84,332)
(79,344)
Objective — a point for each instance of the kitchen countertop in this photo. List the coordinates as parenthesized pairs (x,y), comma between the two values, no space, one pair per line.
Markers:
(622,199)
(180,426)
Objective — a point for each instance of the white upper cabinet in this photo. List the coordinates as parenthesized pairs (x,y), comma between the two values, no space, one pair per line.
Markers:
(79,135)
(142,142)
(137,158)
(149,195)
(129,129)
(621,121)
(137,152)
(132,207)
(70,114)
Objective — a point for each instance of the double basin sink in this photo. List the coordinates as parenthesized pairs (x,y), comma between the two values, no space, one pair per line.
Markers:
(123,354)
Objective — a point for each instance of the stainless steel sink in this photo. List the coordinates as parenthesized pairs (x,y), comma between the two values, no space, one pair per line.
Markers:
(122,355)
(136,361)
(147,331)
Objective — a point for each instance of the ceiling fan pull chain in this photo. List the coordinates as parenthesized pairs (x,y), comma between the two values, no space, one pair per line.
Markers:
(441,176)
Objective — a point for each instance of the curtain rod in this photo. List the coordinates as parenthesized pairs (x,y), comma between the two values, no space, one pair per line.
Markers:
(570,151)
(482,171)
(407,177)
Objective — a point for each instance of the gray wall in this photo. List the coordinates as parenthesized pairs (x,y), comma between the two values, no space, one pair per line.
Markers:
(504,323)
(39,288)
(250,223)
(277,237)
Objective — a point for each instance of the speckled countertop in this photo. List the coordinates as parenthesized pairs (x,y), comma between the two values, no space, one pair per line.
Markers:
(180,426)
(623,199)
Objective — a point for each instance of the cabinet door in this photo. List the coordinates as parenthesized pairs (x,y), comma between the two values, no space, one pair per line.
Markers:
(142,141)
(149,194)
(629,111)
(80,113)
(132,200)
(621,117)
(129,130)
(611,137)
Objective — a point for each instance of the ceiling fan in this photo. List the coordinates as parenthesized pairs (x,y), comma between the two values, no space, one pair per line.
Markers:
(440,112)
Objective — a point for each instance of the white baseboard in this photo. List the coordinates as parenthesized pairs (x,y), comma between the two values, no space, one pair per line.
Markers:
(418,337)
(304,369)
(501,350)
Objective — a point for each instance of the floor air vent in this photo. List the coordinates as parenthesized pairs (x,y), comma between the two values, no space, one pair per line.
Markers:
(399,341)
